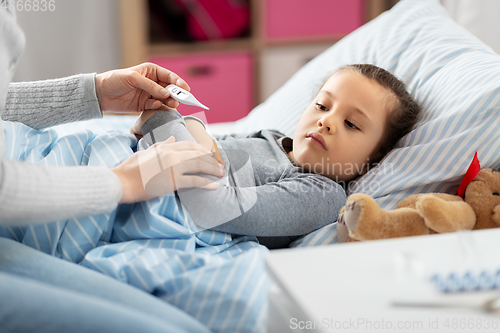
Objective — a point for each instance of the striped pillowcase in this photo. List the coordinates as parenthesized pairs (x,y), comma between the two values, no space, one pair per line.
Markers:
(453,76)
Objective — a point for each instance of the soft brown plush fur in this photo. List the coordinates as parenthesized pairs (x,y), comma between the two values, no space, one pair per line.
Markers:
(423,214)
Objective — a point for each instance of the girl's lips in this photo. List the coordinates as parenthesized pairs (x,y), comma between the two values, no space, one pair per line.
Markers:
(317,139)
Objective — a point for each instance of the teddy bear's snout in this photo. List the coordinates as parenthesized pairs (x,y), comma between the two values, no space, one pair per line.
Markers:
(496,215)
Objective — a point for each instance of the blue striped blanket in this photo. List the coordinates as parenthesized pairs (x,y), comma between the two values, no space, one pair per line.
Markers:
(218,279)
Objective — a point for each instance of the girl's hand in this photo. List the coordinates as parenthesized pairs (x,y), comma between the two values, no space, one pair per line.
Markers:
(143,177)
(137,126)
(137,88)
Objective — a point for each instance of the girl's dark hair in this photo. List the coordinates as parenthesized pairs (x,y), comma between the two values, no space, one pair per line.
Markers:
(403,116)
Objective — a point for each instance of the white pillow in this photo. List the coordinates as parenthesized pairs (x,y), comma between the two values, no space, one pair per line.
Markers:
(452,75)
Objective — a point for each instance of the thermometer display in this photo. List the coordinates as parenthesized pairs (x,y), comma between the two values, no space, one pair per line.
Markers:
(184,96)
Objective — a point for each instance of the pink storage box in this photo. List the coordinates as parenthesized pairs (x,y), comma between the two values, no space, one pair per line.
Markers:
(286,19)
(223,82)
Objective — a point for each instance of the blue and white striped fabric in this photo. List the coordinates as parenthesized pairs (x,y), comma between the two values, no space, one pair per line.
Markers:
(453,76)
(217,279)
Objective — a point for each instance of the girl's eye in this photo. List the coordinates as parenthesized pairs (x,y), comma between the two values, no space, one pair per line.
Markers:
(351,125)
(321,107)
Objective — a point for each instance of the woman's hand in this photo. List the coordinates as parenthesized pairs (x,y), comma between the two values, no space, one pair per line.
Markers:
(165,167)
(137,88)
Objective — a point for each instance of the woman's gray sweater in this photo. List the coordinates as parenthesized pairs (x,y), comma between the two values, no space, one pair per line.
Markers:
(32,193)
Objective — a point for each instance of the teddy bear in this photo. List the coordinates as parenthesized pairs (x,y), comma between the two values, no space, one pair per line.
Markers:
(422,214)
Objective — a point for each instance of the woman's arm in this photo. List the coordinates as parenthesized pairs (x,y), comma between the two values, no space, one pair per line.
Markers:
(47,103)
(41,104)
(33,193)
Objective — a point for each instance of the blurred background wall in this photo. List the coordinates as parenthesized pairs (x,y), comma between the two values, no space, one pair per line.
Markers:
(79,36)
(479,17)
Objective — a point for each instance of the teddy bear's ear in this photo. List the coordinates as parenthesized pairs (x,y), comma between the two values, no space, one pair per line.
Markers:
(487,176)
(472,172)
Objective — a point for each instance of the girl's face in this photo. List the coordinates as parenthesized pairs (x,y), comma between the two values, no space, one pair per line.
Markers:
(342,126)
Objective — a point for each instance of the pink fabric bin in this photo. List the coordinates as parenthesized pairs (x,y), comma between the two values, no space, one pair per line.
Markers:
(286,19)
(223,82)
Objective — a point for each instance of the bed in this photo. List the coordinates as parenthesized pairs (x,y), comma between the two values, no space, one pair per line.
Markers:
(221,280)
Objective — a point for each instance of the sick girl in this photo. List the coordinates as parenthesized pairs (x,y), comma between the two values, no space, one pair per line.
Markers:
(279,188)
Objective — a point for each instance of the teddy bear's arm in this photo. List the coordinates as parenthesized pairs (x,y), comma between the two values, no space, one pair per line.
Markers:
(367,221)
(446,214)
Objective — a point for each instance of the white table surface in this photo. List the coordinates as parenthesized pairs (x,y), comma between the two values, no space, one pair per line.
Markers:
(351,287)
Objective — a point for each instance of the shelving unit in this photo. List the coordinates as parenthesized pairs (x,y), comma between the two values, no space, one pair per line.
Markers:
(262,47)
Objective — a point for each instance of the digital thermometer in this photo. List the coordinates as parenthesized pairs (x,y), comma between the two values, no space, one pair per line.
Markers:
(184,96)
